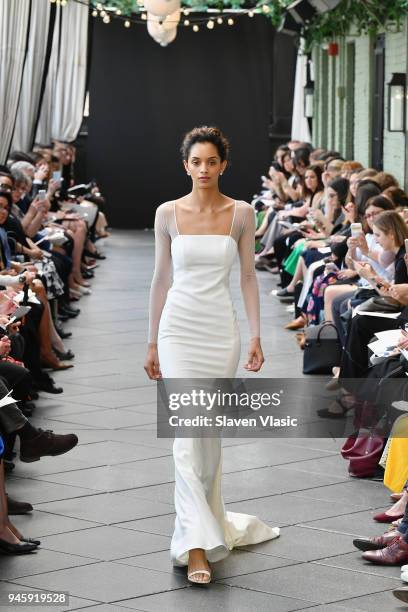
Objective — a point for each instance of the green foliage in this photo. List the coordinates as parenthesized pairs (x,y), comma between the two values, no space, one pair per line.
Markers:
(350,16)
(356,17)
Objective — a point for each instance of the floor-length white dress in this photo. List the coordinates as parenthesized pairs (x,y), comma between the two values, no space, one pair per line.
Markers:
(194,323)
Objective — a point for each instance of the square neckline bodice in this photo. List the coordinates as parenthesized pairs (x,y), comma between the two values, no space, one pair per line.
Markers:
(178,235)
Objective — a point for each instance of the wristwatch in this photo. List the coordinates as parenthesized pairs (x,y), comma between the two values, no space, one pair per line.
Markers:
(22,279)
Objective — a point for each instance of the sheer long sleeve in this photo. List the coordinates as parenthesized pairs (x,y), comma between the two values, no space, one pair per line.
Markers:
(162,275)
(249,283)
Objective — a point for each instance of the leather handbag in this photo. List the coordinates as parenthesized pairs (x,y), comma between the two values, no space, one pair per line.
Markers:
(363,454)
(322,349)
(380,303)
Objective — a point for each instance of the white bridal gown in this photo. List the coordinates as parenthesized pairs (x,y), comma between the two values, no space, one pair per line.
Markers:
(194,323)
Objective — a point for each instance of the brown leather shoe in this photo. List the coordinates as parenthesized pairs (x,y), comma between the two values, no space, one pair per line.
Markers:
(396,553)
(298,323)
(46,443)
(16,507)
(376,543)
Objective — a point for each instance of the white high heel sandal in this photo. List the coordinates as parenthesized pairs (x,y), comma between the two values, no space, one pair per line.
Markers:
(191,575)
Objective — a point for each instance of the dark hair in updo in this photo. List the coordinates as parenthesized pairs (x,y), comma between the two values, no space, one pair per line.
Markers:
(205,134)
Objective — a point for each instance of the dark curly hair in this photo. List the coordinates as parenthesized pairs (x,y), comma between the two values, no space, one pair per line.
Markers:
(205,134)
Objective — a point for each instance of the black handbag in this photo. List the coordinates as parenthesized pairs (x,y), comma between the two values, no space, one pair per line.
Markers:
(322,350)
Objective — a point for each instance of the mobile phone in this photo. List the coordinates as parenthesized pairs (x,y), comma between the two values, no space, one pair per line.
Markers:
(41,194)
(356,230)
(56,176)
(406,245)
(19,313)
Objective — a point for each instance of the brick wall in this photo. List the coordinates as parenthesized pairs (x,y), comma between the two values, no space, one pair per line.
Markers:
(394,142)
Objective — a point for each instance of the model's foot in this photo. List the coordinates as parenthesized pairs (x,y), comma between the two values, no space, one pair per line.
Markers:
(198,561)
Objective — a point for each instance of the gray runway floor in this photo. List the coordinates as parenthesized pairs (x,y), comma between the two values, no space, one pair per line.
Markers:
(104,511)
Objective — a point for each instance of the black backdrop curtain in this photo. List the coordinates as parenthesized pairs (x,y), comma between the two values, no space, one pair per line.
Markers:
(143,98)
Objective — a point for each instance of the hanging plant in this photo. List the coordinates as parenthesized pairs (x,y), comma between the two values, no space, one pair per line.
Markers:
(357,18)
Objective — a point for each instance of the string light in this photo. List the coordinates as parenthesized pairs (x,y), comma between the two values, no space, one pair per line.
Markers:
(94,13)
(99,6)
(118,11)
(144,16)
(220,20)
(250,13)
(186,12)
(195,28)
(265,8)
(103,13)
(186,22)
(63,2)
(210,24)
(127,23)
(230,21)
(106,19)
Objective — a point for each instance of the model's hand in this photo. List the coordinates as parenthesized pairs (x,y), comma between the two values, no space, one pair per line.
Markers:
(151,365)
(255,356)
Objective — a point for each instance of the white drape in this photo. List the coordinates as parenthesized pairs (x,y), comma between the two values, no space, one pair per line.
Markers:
(13,37)
(63,102)
(33,76)
(300,125)
(44,128)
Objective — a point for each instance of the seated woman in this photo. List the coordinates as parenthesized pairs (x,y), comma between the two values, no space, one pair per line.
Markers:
(311,195)
(306,251)
(365,248)
(390,232)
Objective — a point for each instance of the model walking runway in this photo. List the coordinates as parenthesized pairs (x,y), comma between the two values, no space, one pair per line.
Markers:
(194,334)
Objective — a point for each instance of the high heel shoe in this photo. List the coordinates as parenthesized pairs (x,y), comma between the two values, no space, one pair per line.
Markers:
(383,517)
(21,548)
(298,323)
(52,361)
(191,575)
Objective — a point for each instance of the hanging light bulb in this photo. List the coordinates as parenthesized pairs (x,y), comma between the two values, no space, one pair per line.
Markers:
(63,2)
(230,21)
(186,22)
(195,28)
(265,8)
(127,23)
(210,24)
(144,16)
(103,13)
(118,11)
(99,6)
(106,19)
(250,13)
(186,12)
(94,13)
(220,20)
